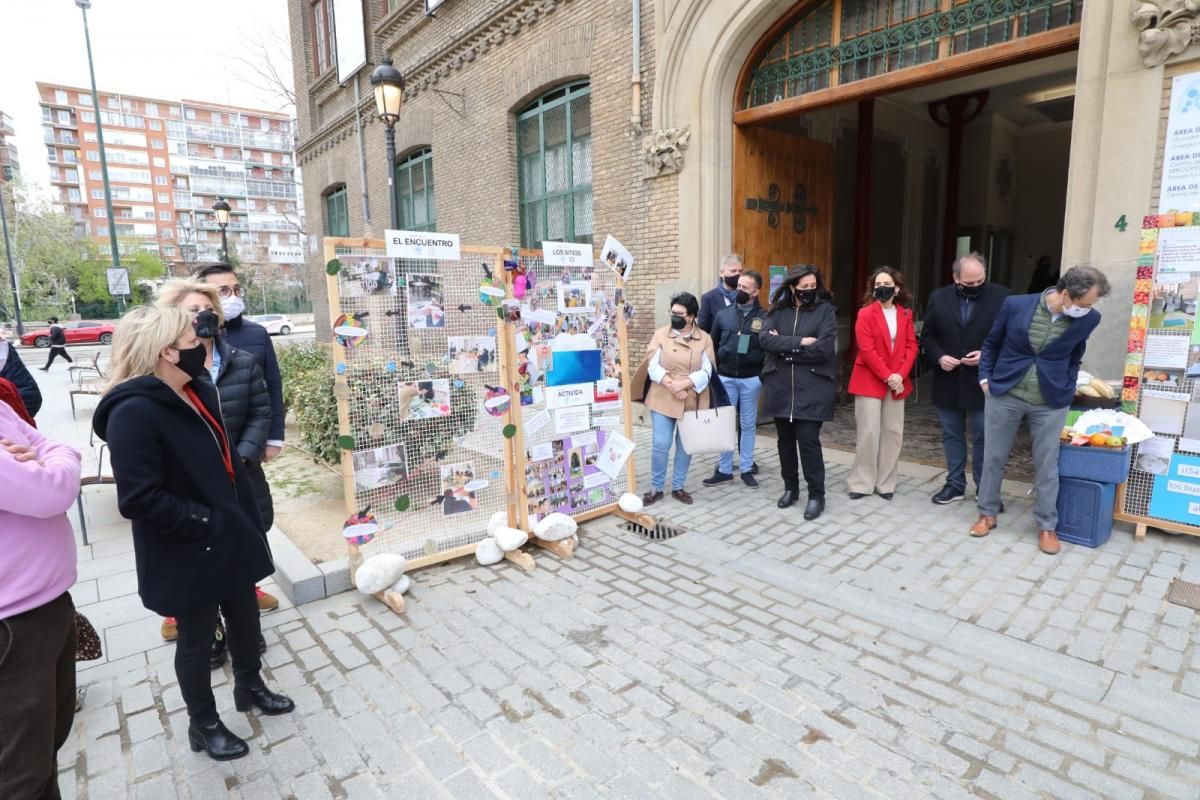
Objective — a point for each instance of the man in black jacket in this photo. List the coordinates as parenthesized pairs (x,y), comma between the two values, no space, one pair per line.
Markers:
(740,359)
(13,369)
(252,338)
(58,344)
(957,321)
(722,295)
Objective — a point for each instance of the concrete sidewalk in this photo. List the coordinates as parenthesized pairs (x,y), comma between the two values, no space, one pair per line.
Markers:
(879,653)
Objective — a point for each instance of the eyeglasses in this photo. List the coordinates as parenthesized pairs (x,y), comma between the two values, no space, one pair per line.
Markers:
(235,291)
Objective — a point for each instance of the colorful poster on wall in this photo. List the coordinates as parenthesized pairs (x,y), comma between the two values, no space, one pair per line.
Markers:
(565,476)
(777,276)
(1176,495)
(1181,150)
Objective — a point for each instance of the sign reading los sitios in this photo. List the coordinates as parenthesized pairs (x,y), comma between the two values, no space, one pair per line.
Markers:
(422,245)
(566,254)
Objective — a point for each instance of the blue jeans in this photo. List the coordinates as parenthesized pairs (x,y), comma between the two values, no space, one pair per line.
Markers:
(954,442)
(743,394)
(664,430)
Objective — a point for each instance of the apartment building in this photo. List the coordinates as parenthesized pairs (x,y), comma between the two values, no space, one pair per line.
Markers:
(168,163)
(9,165)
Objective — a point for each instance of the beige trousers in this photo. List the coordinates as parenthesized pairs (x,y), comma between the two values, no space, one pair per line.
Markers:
(880,426)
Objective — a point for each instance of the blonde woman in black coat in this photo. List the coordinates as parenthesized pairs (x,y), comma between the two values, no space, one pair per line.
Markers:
(198,539)
(800,380)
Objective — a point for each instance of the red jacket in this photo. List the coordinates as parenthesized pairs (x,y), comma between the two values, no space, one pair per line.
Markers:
(10,395)
(876,358)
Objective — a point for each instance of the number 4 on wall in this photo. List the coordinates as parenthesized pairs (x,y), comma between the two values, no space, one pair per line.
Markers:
(1121,224)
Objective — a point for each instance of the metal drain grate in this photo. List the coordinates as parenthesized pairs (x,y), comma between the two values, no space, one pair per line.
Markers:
(659,533)
(1184,593)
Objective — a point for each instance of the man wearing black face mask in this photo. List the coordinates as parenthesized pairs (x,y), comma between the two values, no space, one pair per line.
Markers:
(957,321)
(740,359)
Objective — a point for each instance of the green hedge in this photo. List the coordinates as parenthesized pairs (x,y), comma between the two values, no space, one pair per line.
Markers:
(307,372)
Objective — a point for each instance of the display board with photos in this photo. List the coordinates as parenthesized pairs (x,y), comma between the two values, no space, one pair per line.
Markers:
(1161,383)
(418,373)
(572,378)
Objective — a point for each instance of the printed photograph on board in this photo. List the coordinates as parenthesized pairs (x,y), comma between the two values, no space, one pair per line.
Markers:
(459,488)
(470,354)
(426,302)
(574,297)
(379,468)
(1173,304)
(364,276)
(424,399)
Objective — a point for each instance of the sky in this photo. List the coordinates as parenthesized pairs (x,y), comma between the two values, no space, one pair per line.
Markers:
(157,48)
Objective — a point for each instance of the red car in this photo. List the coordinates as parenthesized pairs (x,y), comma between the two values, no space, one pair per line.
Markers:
(76,333)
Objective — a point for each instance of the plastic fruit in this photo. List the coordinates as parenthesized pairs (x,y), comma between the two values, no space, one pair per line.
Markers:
(1115,441)
(1098,439)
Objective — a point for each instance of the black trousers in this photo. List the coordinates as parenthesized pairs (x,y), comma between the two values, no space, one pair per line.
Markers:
(195,643)
(55,352)
(803,436)
(37,697)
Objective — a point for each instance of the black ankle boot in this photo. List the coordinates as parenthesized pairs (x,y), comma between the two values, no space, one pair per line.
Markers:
(264,700)
(787,499)
(216,740)
(815,506)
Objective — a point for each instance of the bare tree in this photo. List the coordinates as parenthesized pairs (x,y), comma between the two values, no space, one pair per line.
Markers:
(267,56)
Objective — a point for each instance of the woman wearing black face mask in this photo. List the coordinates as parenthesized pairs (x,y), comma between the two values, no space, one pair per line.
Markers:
(887,350)
(800,380)
(245,401)
(197,534)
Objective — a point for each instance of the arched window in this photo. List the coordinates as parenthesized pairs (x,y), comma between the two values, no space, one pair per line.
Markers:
(554,160)
(830,43)
(414,191)
(337,212)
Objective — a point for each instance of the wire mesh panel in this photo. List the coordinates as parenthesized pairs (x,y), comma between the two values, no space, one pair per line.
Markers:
(572,380)
(1162,372)
(418,365)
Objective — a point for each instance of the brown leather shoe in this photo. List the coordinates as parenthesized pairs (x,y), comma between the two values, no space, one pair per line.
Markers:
(650,498)
(983,526)
(682,496)
(1048,543)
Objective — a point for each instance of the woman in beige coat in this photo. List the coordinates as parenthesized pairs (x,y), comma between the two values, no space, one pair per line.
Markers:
(679,368)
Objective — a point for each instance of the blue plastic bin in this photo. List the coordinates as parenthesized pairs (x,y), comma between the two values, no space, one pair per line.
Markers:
(1085,511)
(1100,464)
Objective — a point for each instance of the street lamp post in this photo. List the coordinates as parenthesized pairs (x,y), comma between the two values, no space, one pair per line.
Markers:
(221,212)
(84,5)
(389,96)
(12,269)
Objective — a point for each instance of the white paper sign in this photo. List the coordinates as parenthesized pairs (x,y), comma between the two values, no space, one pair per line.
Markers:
(1181,151)
(608,421)
(1178,249)
(541,452)
(573,394)
(543,316)
(421,245)
(595,479)
(571,419)
(118,281)
(614,454)
(566,254)
(536,422)
(1168,352)
(587,439)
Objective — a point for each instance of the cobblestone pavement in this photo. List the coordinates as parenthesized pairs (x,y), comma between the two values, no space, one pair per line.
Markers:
(876,653)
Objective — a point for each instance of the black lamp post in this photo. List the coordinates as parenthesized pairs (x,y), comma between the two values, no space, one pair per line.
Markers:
(389,96)
(221,212)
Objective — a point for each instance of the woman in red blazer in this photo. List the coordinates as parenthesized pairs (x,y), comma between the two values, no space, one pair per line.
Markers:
(887,350)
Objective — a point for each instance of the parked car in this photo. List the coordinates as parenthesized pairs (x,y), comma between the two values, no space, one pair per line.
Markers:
(274,323)
(78,332)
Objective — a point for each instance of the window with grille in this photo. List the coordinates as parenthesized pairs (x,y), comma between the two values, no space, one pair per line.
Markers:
(337,216)
(414,192)
(554,160)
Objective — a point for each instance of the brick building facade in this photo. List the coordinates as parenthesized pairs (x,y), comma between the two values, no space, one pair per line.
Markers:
(470,71)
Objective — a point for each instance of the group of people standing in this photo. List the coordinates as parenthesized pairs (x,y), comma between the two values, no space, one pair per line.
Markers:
(997,359)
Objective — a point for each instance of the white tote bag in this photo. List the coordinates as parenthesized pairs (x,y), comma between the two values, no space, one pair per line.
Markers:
(708,431)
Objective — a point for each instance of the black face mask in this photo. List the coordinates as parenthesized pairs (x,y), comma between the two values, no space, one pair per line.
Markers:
(677,322)
(191,360)
(743,298)
(731,281)
(806,297)
(884,293)
(206,324)
(969,292)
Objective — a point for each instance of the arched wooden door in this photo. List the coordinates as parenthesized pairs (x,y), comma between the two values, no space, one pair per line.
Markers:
(782,201)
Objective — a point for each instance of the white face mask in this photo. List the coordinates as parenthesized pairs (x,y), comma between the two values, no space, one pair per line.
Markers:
(1076,311)
(232,306)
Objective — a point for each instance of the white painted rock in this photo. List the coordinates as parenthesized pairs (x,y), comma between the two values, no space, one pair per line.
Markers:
(498,520)
(509,539)
(575,541)
(401,586)
(488,552)
(630,503)
(555,527)
(379,572)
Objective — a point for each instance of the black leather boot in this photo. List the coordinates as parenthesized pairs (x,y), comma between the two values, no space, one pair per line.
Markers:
(816,505)
(216,740)
(787,499)
(264,700)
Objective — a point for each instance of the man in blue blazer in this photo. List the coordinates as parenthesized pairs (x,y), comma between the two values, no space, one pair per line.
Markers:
(1027,368)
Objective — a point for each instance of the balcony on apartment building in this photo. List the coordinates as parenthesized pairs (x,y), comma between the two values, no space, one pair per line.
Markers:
(6,125)
(270,188)
(61,137)
(64,176)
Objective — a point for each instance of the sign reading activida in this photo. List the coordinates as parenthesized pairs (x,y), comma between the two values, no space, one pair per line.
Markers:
(421,245)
